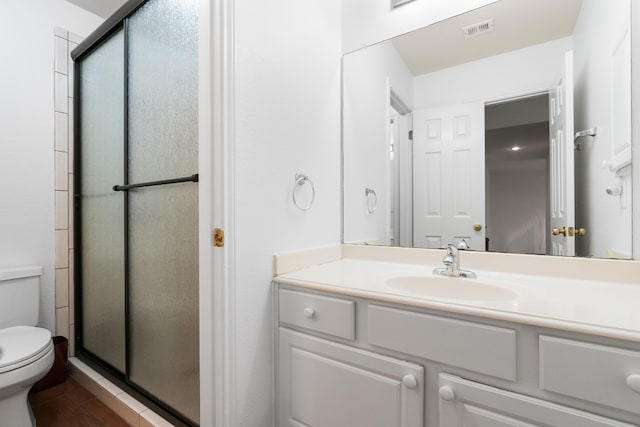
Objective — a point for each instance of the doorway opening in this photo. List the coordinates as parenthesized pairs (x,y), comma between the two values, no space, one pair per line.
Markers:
(399,172)
(517,170)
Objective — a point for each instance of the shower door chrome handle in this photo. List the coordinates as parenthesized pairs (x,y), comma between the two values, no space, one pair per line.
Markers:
(192,178)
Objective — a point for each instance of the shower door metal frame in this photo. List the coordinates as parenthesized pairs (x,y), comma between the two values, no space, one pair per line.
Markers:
(117,22)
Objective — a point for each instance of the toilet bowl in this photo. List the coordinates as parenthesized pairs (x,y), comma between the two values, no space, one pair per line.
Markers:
(26,355)
(26,351)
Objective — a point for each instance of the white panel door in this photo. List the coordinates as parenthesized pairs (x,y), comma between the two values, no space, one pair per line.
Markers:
(561,136)
(325,384)
(448,176)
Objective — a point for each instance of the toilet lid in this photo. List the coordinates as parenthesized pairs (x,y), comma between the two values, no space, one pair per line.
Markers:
(20,345)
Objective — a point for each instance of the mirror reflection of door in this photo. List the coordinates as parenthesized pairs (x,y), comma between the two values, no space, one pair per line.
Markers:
(448,170)
(561,137)
(393,183)
(401,179)
(499,176)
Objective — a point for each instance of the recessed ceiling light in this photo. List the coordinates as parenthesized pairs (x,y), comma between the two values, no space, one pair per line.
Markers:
(515,148)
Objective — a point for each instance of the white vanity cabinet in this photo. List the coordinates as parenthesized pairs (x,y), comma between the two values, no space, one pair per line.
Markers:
(325,384)
(349,361)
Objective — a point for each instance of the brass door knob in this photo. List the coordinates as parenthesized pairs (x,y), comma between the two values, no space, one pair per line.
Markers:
(557,231)
(581,232)
(477,227)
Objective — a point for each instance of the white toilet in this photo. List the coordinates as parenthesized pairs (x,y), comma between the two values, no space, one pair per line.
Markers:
(26,352)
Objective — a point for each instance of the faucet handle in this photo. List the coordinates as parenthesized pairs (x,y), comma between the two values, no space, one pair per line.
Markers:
(448,259)
(463,245)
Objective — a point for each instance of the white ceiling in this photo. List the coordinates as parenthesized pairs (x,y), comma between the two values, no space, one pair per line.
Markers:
(102,8)
(518,24)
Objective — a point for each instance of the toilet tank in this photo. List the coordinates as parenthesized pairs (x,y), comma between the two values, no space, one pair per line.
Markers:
(19,296)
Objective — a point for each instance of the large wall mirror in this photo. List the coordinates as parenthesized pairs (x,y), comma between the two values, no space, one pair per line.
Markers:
(508,126)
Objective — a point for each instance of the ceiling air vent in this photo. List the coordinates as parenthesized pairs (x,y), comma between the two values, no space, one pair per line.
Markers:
(478,29)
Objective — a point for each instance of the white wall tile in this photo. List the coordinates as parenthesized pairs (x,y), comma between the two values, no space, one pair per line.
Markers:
(72,342)
(61,171)
(62,321)
(70,213)
(153,419)
(62,287)
(62,249)
(132,403)
(70,136)
(110,387)
(85,375)
(62,210)
(61,92)
(71,70)
(61,56)
(61,131)
(72,284)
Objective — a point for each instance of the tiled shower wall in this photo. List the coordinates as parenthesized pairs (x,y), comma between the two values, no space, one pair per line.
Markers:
(64,43)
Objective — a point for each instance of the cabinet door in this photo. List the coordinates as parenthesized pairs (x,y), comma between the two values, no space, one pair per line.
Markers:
(465,403)
(324,384)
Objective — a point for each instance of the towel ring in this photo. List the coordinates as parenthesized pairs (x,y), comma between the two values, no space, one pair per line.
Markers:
(301,179)
(372,200)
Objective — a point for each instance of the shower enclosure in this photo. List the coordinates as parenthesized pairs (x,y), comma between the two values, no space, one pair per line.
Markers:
(136,203)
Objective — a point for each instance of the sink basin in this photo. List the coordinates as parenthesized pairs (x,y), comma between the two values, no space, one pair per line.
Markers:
(451,288)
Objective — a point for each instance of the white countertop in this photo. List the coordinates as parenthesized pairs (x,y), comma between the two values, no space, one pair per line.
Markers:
(610,309)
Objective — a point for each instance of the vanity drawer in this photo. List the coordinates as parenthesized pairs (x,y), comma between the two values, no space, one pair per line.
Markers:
(333,316)
(596,373)
(481,348)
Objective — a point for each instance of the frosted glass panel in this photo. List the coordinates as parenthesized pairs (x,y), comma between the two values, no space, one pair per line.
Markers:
(102,216)
(163,273)
(163,241)
(163,90)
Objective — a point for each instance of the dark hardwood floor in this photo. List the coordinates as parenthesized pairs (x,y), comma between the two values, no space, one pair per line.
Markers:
(71,405)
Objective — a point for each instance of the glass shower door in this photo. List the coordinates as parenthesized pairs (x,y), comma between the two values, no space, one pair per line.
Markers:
(163,220)
(137,253)
(102,218)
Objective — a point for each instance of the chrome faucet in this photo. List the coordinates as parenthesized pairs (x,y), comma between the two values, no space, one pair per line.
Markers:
(452,262)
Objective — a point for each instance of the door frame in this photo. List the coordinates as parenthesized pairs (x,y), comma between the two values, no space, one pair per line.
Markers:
(216,210)
(403,194)
(501,100)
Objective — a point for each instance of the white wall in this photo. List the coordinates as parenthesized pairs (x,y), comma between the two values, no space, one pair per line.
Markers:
(366,22)
(522,71)
(369,74)
(598,31)
(635,152)
(518,210)
(26,133)
(517,214)
(287,120)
